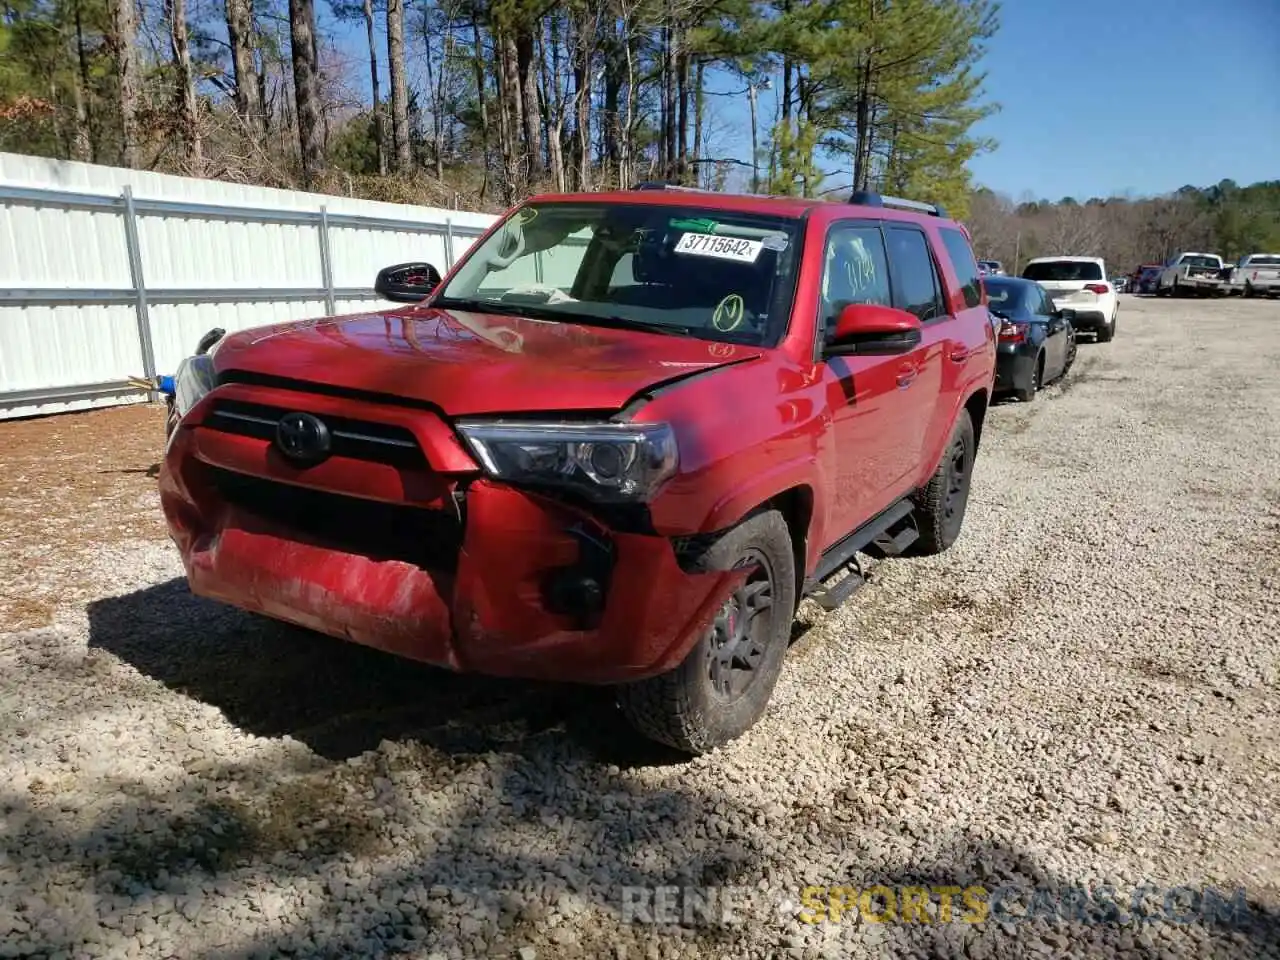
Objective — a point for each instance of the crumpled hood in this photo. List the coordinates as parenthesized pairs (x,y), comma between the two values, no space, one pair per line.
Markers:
(470,363)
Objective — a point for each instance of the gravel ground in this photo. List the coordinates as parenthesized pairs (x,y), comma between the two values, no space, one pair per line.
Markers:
(1085,690)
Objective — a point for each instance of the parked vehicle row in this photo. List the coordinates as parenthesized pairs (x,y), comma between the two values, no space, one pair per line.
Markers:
(1206,274)
(618,441)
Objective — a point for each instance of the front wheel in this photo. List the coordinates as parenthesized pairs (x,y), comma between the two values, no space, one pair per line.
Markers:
(940,506)
(171,418)
(1071,356)
(722,687)
(1248,290)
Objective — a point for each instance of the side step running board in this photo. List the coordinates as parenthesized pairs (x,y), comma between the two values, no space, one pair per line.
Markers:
(888,534)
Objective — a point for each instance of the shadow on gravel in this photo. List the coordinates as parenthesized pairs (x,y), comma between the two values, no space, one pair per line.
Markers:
(1031,910)
(342,699)
(496,853)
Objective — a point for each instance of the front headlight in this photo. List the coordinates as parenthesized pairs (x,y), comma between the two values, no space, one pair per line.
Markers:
(195,378)
(604,461)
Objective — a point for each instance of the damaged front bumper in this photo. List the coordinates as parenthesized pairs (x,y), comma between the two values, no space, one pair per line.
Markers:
(507,583)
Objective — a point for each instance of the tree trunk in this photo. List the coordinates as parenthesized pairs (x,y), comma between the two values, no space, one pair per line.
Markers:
(399,86)
(698,99)
(582,105)
(482,99)
(612,119)
(84,143)
(527,79)
(379,126)
(668,152)
(249,102)
(627,170)
(125,41)
(306,94)
(188,116)
(682,120)
(510,114)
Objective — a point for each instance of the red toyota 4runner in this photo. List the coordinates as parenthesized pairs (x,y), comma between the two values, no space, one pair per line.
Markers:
(616,444)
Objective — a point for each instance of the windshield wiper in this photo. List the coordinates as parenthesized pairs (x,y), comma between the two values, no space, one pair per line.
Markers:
(615,322)
(539,312)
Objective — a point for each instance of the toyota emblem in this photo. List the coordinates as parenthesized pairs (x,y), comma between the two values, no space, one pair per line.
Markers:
(303,438)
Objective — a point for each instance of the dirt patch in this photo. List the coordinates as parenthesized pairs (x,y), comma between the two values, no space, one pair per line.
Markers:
(70,483)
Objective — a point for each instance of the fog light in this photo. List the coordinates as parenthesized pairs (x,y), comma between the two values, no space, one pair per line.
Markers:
(570,591)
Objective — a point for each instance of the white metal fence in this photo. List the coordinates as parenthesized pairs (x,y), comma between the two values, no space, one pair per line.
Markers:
(107,273)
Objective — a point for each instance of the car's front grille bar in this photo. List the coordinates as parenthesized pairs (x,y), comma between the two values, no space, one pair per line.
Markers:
(358,439)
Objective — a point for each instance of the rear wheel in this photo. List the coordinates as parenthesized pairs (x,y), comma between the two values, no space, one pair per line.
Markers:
(1107,332)
(1028,393)
(940,506)
(723,686)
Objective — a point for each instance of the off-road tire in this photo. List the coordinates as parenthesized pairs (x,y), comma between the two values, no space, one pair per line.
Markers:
(681,708)
(939,509)
(1028,393)
(1105,334)
(171,418)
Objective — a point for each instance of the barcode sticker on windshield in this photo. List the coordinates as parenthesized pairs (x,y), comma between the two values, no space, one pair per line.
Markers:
(722,248)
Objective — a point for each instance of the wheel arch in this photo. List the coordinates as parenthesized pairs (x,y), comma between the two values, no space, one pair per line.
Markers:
(976,405)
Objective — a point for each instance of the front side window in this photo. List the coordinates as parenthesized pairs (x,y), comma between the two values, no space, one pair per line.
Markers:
(854,270)
(916,288)
(686,271)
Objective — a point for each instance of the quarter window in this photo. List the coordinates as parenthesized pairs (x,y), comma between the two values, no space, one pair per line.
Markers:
(966,268)
(915,277)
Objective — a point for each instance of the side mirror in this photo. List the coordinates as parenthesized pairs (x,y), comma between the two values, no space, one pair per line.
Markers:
(869,329)
(406,282)
(209,339)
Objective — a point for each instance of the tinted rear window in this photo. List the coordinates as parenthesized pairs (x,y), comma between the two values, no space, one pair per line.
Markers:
(1003,296)
(1264,261)
(1059,270)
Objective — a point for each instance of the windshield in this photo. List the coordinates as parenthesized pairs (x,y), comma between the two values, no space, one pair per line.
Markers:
(1062,270)
(1005,297)
(688,271)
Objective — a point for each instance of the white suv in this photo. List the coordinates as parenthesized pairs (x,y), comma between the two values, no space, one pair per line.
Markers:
(1079,285)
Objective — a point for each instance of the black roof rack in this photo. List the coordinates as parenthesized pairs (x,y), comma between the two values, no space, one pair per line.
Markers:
(866,198)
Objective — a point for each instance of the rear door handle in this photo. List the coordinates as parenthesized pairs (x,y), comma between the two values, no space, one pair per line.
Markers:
(907,376)
(959,354)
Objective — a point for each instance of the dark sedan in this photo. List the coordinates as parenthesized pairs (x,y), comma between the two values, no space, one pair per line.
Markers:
(1037,343)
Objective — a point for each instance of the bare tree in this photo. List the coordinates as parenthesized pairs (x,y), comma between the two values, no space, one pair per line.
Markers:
(124,15)
(302,31)
(379,126)
(248,94)
(399,86)
(187,109)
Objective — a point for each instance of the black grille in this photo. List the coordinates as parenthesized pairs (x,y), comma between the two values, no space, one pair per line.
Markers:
(428,538)
(358,439)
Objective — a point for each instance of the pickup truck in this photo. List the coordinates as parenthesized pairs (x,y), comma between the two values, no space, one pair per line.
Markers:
(618,462)
(1192,274)
(1257,274)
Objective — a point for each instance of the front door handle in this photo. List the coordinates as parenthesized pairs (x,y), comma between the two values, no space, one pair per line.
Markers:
(907,376)
(959,354)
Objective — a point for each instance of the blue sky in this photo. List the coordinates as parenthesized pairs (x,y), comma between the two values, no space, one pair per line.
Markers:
(1097,97)
(1145,95)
